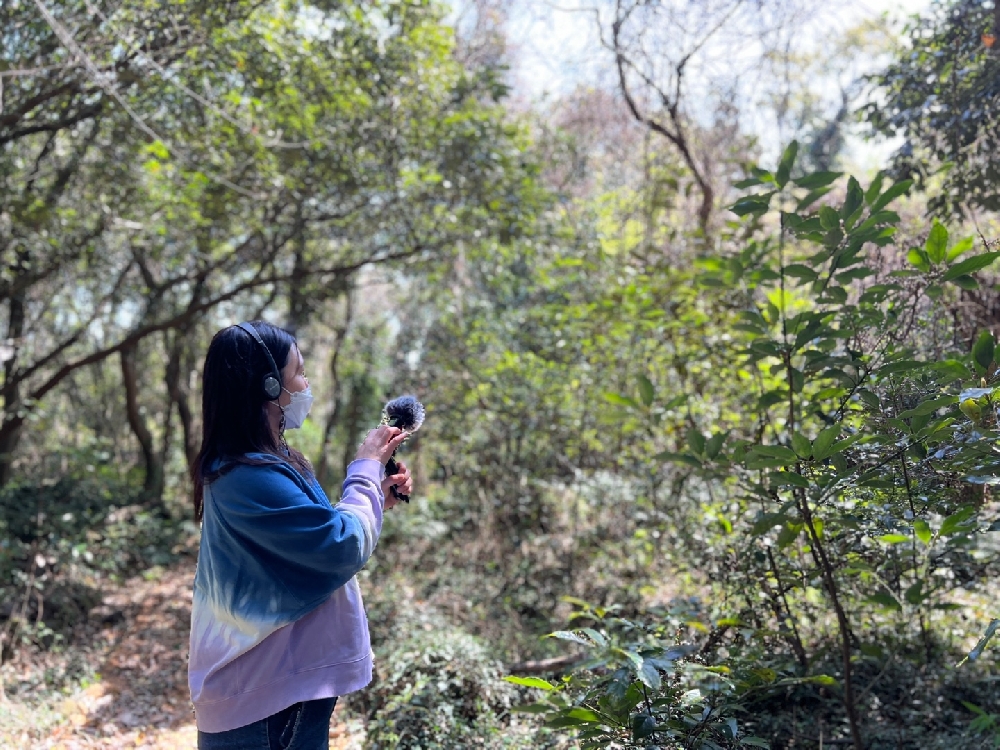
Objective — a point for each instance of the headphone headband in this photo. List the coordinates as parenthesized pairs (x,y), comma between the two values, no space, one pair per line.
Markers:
(272,381)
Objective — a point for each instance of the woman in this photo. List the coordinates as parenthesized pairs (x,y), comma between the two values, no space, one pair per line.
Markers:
(278,629)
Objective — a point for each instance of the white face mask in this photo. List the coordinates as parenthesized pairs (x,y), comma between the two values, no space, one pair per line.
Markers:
(298,408)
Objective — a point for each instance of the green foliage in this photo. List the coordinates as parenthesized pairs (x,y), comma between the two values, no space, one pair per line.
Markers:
(645,686)
(259,161)
(61,535)
(842,498)
(438,689)
(940,94)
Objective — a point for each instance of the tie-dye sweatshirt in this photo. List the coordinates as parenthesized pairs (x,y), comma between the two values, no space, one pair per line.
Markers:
(277,616)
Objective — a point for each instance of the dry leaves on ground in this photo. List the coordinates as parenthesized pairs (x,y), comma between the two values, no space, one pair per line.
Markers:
(139,641)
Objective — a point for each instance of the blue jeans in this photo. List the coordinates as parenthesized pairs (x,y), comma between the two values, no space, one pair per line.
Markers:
(302,726)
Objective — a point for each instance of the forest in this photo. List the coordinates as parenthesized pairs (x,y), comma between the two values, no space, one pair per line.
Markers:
(701,298)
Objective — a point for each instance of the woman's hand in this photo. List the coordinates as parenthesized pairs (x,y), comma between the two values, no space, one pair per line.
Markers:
(402,480)
(380,444)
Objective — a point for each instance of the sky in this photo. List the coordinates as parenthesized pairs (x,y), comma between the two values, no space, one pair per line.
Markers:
(554,39)
(554,47)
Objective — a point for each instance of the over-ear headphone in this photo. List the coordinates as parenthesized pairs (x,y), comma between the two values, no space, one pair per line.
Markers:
(272,381)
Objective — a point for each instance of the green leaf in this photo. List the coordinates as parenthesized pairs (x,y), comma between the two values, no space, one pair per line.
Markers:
(619,400)
(898,189)
(966,282)
(824,441)
(775,451)
(893,538)
(884,599)
(767,522)
(828,217)
(811,197)
(955,522)
(918,259)
(788,534)
(899,366)
(755,742)
(646,391)
(800,271)
(915,593)
(584,714)
(855,197)
(696,442)
(970,265)
(634,659)
(714,444)
(595,636)
(649,676)
(875,188)
(532,682)
(755,463)
(871,400)
(821,679)
(817,180)
(643,725)
(929,407)
(982,351)
(937,243)
(951,369)
(922,530)
(752,204)
(560,722)
(961,247)
(785,164)
(788,479)
(568,635)
(835,295)
(678,458)
(974,708)
(801,445)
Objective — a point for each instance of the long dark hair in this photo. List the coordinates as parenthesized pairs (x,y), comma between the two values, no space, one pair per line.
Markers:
(234,406)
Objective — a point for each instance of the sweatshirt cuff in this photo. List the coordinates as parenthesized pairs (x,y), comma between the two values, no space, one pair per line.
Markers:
(368,468)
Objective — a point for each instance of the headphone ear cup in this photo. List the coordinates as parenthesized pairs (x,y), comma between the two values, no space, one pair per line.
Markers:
(272,388)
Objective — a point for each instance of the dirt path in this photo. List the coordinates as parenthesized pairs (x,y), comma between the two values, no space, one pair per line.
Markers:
(140,640)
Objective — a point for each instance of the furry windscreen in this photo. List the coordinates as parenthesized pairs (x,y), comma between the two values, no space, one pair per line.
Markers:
(404,412)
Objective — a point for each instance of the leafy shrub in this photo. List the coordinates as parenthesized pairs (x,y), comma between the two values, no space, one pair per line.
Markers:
(438,689)
(646,685)
(849,509)
(57,537)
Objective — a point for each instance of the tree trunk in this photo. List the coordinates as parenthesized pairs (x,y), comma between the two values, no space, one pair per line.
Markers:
(323,474)
(178,365)
(152,487)
(354,399)
(13,420)
(10,436)
(298,296)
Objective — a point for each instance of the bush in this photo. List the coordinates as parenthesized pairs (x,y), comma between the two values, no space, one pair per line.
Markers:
(438,689)
(58,537)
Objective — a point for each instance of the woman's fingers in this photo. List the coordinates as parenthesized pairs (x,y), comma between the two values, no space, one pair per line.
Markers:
(380,443)
(402,480)
(397,440)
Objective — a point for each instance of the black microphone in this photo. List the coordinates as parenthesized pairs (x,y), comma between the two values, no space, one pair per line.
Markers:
(407,414)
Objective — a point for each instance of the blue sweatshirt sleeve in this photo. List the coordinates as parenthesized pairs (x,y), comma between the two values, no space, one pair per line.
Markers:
(283,529)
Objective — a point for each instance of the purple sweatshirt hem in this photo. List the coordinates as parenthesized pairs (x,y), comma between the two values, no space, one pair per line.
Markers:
(312,684)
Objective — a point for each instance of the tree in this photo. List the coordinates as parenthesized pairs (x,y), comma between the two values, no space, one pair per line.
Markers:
(660,48)
(175,160)
(942,96)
